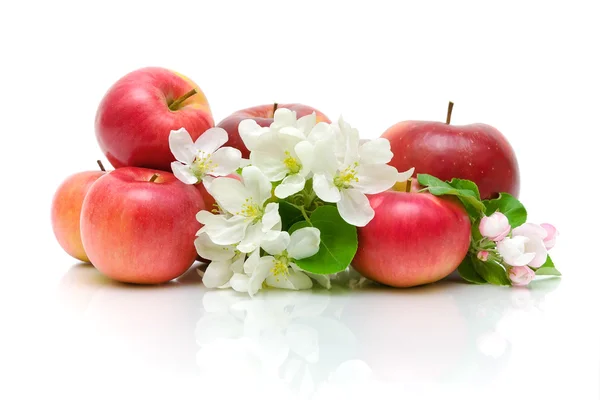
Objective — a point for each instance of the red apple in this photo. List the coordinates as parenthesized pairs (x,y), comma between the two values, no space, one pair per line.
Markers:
(414,239)
(66,212)
(137,114)
(263,115)
(138,230)
(477,152)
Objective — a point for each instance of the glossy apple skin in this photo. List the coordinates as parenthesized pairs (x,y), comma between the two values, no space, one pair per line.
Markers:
(138,231)
(263,115)
(133,121)
(66,212)
(414,239)
(477,152)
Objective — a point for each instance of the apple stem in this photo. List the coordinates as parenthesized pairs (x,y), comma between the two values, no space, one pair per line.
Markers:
(449,114)
(101,166)
(177,102)
(154,177)
(275,105)
(408,185)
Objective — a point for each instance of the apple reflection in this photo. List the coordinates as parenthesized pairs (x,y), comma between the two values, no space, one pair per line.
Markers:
(132,327)
(316,342)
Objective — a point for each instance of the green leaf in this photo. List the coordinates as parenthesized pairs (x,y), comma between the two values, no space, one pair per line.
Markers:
(465,185)
(338,242)
(492,272)
(289,215)
(466,269)
(509,206)
(548,268)
(465,190)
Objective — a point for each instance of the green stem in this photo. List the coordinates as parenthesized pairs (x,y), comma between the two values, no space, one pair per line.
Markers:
(303,211)
(175,104)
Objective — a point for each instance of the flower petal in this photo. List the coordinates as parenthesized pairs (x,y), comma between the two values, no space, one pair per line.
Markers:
(240,282)
(226,160)
(495,226)
(306,154)
(252,262)
(290,185)
(324,159)
(209,250)
(250,131)
(183,173)
(404,176)
(325,189)
(237,264)
(321,131)
(181,145)
(552,234)
(376,151)
(530,230)
(211,140)
(257,183)
(512,251)
(354,207)
(307,123)
(260,274)
(536,245)
(304,243)
(375,178)
(322,280)
(283,117)
(295,280)
(230,193)
(277,245)
(217,274)
(252,239)
(520,276)
(268,155)
(223,230)
(271,219)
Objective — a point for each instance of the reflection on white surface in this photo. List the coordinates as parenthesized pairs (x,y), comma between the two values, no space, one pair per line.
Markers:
(296,344)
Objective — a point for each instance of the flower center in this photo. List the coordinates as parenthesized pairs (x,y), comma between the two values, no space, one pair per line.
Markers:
(203,165)
(291,163)
(251,210)
(344,179)
(280,267)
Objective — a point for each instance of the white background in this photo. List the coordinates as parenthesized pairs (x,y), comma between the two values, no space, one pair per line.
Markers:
(531,69)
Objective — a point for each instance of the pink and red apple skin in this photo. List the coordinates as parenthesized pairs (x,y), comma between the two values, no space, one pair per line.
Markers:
(414,239)
(66,212)
(133,121)
(263,115)
(138,231)
(477,152)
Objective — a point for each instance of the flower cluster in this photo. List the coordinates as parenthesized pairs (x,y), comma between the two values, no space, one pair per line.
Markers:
(248,240)
(521,250)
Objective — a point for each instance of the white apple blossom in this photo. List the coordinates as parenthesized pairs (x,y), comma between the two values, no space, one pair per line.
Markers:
(535,243)
(520,276)
(495,227)
(248,216)
(279,269)
(225,261)
(199,160)
(284,122)
(345,170)
(551,235)
(284,158)
(512,250)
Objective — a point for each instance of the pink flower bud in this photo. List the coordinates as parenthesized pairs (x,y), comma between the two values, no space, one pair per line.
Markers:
(495,227)
(521,276)
(483,255)
(550,239)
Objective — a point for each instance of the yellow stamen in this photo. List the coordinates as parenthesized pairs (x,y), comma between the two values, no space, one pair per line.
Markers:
(291,163)
(203,165)
(347,177)
(280,267)
(251,210)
